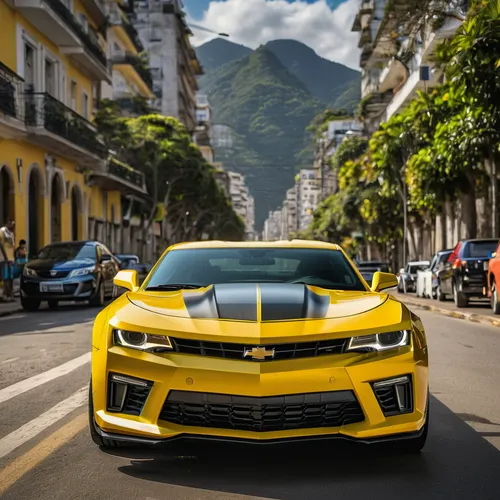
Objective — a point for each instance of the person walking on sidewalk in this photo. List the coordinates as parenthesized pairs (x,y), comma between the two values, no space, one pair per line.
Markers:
(7,242)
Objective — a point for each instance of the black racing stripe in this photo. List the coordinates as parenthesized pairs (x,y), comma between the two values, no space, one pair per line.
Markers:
(282,301)
(201,305)
(316,305)
(237,301)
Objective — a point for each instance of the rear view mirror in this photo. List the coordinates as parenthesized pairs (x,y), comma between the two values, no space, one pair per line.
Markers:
(382,281)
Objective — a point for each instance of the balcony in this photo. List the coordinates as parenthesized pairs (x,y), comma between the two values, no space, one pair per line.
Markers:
(59,25)
(96,9)
(392,75)
(118,176)
(58,128)
(120,59)
(11,123)
(434,38)
(120,20)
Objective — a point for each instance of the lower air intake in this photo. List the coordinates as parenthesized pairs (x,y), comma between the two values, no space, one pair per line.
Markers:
(395,396)
(262,414)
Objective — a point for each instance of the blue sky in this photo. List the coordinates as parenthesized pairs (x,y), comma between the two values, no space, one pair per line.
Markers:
(323,25)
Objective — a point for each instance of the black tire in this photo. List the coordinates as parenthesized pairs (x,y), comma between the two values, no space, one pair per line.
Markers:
(495,304)
(96,437)
(440,295)
(459,298)
(53,303)
(30,305)
(415,445)
(98,299)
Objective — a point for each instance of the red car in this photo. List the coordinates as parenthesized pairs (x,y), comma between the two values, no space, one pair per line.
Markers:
(494,280)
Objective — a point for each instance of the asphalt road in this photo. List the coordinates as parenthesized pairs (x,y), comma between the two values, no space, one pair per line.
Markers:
(46,453)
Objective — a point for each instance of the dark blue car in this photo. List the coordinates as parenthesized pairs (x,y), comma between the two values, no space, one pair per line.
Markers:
(69,271)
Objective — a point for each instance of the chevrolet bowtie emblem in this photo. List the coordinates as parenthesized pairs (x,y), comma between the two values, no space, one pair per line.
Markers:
(53,273)
(259,353)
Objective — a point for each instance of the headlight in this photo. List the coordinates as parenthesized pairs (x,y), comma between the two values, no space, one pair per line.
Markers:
(29,272)
(81,272)
(379,341)
(142,341)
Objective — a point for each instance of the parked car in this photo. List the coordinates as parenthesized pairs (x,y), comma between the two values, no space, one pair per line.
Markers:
(408,277)
(494,279)
(129,261)
(369,268)
(69,271)
(466,270)
(437,267)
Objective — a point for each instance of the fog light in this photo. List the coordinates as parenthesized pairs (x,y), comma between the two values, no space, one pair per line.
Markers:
(127,394)
(395,395)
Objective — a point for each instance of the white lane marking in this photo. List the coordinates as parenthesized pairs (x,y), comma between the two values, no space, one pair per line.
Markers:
(10,360)
(30,383)
(28,431)
(11,317)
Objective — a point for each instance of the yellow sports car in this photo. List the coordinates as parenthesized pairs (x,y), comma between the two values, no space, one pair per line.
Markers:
(258,342)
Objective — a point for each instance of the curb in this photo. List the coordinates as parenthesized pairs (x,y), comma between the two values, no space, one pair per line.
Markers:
(475,318)
(10,312)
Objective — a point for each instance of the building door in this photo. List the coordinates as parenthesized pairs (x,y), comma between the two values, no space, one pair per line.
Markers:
(35,213)
(55,209)
(6,196)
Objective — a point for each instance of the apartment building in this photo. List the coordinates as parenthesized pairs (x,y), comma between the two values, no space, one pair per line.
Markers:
(203,130)
(243,203)
(52,62)
(308,197)
(174,66)
(272,226)
(326,145)
(387,84)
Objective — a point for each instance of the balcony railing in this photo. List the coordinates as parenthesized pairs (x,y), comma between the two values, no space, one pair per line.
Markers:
(89,38)
(43,110)
(116,18)
(136,63)
(10,84)
(126,173)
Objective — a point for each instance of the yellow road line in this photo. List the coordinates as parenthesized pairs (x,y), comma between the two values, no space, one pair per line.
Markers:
(20,466)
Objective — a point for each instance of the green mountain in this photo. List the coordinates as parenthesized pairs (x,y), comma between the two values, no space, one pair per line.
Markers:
(268,97)
(218,51)
(325,79)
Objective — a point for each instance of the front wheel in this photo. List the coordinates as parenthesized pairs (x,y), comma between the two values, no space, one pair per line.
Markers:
(495,305)
(98,299)
(30,305)
(96,437)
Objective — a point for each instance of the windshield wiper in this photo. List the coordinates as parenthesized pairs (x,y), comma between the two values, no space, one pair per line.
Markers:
(174,286)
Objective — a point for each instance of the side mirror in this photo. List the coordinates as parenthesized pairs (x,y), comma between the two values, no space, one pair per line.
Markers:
(492,255)
(382,281)
(128,279)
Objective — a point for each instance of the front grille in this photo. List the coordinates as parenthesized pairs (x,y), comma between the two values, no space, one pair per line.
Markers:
(262,414)
(281,351)
(56,276)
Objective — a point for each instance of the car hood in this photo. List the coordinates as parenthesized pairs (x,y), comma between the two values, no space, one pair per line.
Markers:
(250,311)
(63,265)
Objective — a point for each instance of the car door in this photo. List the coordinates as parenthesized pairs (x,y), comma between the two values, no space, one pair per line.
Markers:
(108,266)
(446,277)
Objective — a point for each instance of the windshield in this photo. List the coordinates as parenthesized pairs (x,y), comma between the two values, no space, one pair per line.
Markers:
(479,249)
(326,268)
(68,251)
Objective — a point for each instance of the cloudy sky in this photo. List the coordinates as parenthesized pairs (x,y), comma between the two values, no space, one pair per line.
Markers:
(324,25)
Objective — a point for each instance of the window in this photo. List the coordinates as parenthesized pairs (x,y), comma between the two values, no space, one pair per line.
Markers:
(29,66)
(50,77)
(72,94)
(326,268)
(83,21)
(85,105)
(479,249)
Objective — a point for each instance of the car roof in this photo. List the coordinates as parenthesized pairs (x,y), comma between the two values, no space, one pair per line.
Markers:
(66,243)
(257,244)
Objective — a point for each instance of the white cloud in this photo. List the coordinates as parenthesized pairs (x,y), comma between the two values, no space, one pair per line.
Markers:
(254,22)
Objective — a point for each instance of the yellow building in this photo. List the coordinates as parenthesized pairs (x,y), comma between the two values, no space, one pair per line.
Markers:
(55,178)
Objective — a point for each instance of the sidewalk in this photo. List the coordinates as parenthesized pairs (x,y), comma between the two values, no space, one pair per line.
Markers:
(477,312)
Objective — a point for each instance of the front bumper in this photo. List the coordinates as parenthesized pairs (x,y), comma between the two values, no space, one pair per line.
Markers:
(78,288)
(354,373)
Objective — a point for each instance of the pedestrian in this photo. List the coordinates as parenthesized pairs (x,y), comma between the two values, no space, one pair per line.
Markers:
(7,242)
(21,257)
